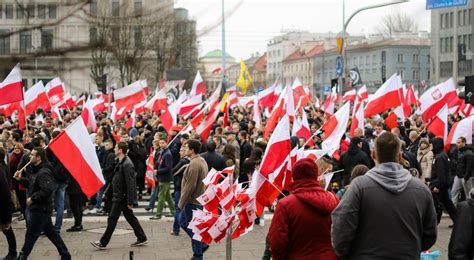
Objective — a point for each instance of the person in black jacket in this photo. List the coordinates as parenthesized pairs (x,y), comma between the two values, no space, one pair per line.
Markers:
(352,157)
(40,201)
(6,209)
(164,166)
(124,195)
(461,243)
(137,154)
(440,176)
(463,167)
(245,148)
(108,166)
(212,158)
(178,171)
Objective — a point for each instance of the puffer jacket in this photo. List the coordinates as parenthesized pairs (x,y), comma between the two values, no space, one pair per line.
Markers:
(425,158)
(124,183)
(301,226)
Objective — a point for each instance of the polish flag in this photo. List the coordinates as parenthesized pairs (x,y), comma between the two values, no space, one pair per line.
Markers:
(204,129)
(461,128)
(36,97)
(190,104)
(209,199)
(300,92)
(439,123)
(436,97)
(219,230)
(466,109)
(246,217)
(88,116)
(11,89)
(80,159)
(158,102)
(278,148)
(169,117)
(150,166)
(410,97)
(386,97)
(349,96)
(68,102)
(198,88)
(246,101)
(330,103)
(226,192)
(268,97)
(275,115)
(129,96)
(290,103)
(357,120)
(55,113)
(80,101)
(317,103)
(131,120)
(213,177)
(335,128)
(200,224)
(314,154)
(362,93)
(55,91)
(301,129)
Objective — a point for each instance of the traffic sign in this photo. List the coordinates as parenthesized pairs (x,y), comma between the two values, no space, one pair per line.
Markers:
(339,66)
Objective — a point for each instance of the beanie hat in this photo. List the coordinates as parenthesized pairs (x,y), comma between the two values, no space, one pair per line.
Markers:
(305,169)
(133,132)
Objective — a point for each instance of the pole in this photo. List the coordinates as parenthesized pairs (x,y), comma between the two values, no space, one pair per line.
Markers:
(228,240)
(223,49)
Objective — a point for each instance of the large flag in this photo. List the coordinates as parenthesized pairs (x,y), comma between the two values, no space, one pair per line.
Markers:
(461,128)
(436,97)
(36,97)
(335,128)
(150,166)
(244,80)
(357,120)
(267,97)
(198,86)
(129,96)
(439,123)
(11,89)
(55,91)
(88,115)
(80,159)
(158,102)
(386,97)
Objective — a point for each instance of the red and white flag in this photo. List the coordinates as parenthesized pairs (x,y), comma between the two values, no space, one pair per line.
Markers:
(301,129)
(335,128)
(386,97)
(461,128)
(268,97)
(213,177)
(204,129)
(362,93)
(158,102)
(439,123)
(170,117)
(68,102)
(199,87)
(55,91)
(129,96)
(357,120)
(278,148)
(290,103)
(36,97)
(11,89)
(150,166)
(349,96)
(55,113)
(88,116)
(330,103)
(436,97)
(190,104)
(246,217)
(219,230)
(226,193)
(300,93)
(209,199)
(80,159)
(276,113)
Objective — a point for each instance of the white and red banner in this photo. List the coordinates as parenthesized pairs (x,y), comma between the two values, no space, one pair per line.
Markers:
(386,97)
(11,89)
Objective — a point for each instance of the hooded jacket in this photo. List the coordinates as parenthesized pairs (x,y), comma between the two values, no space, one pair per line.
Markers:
(301,224)
(351,158)
(378,217)
(440,176)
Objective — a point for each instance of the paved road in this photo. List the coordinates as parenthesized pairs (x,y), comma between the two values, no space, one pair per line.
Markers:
(162,245)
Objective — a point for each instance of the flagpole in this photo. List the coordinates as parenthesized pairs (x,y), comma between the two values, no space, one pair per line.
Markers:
(315,133)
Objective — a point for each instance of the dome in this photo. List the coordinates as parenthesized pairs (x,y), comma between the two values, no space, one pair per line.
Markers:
(216,54)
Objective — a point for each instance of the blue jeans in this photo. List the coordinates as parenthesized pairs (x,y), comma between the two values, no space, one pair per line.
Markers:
(176,226)
(154,195)
(186,217)
(59,205)
(99,195)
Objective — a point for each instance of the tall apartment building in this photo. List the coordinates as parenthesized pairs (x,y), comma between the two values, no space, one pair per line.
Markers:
(52,38)
(451,27)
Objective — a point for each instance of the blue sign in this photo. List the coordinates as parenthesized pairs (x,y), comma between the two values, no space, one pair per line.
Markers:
(339,66)
(327,89)
(433,4)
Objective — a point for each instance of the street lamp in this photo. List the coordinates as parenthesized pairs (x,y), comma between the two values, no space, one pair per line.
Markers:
(344,27)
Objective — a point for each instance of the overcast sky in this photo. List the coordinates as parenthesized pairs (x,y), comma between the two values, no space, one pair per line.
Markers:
(255,22)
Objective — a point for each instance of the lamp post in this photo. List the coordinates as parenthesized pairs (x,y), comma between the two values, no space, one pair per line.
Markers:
(223,49)
(344,28)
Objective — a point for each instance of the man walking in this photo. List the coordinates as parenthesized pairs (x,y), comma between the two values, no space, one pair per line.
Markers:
(191,188)
(361,230)
(463,168)
(124,195)
(41,187)
(164,175)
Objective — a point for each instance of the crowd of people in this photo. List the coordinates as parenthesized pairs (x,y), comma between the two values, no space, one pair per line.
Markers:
(385,200)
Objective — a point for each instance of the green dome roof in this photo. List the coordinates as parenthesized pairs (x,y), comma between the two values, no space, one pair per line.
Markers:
(216,54)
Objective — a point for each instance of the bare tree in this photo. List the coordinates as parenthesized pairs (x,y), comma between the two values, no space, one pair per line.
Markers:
(397,23)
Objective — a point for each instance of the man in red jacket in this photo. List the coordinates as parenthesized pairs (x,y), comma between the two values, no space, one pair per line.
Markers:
(301,225)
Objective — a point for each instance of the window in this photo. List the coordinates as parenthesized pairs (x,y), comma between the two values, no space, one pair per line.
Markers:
(451,44)
(441,45)
(30,9)
(416,58)
(446,69)
(4,42)
(20,11)
(42,11)
(459,18)
(47,39)
(416,75)
(400,72)
(138,7)
(93,8)
(115,8)
(25,42)
(441,21)
(464,17)
(428,59)
(1,11)
(138,36)
(115,34)
(451,19)
(400,58)
(93,35)
(9,11)
(52,11)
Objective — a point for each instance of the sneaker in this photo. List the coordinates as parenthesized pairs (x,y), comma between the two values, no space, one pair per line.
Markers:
(139,243)
(170,215)
(98,245)
(174,233)
(147,209)
(155,217)
(94,211)
(10,257)
(262,222)
(74,229)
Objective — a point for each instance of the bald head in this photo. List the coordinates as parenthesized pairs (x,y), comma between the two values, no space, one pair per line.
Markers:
(358,132)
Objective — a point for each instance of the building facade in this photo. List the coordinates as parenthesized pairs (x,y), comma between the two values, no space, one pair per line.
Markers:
(209,67)
(450,28)
(300,64)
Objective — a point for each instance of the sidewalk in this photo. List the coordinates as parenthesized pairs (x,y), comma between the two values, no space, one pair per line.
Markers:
(161,244)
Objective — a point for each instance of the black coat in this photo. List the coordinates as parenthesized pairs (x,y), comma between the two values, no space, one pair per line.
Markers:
(464,163)
(440,177)
(178,171)
(41,186)
(352,157)
(60,173)
(6,209)
(245,151)
(164,166)
(461,243)
(124,185)
(214,160)
(108,165)
(137,154)
(174,147)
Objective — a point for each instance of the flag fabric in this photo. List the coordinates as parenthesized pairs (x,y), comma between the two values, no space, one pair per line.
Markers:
(439,123)
(362,93)
(198,87)
(129,96)
(213,177)
(335,128)
(268,97)
(169,117)
(80,159)
(357,120)
(436,97)
(11,89)
(244,80)
(158,102)
(274,116)
(68,102)
(56,114)
(55,91)
(204,129)
(279,146)
(88,116)
(36,97)
(290,104)
(190,104)
(150,166)
(386,97)
(209,199)
(461,128)
(300,93)
(246,218)
(349,96)
(301,129)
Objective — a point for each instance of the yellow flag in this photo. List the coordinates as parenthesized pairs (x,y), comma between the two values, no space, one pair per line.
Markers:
(224,100)
(244,79)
